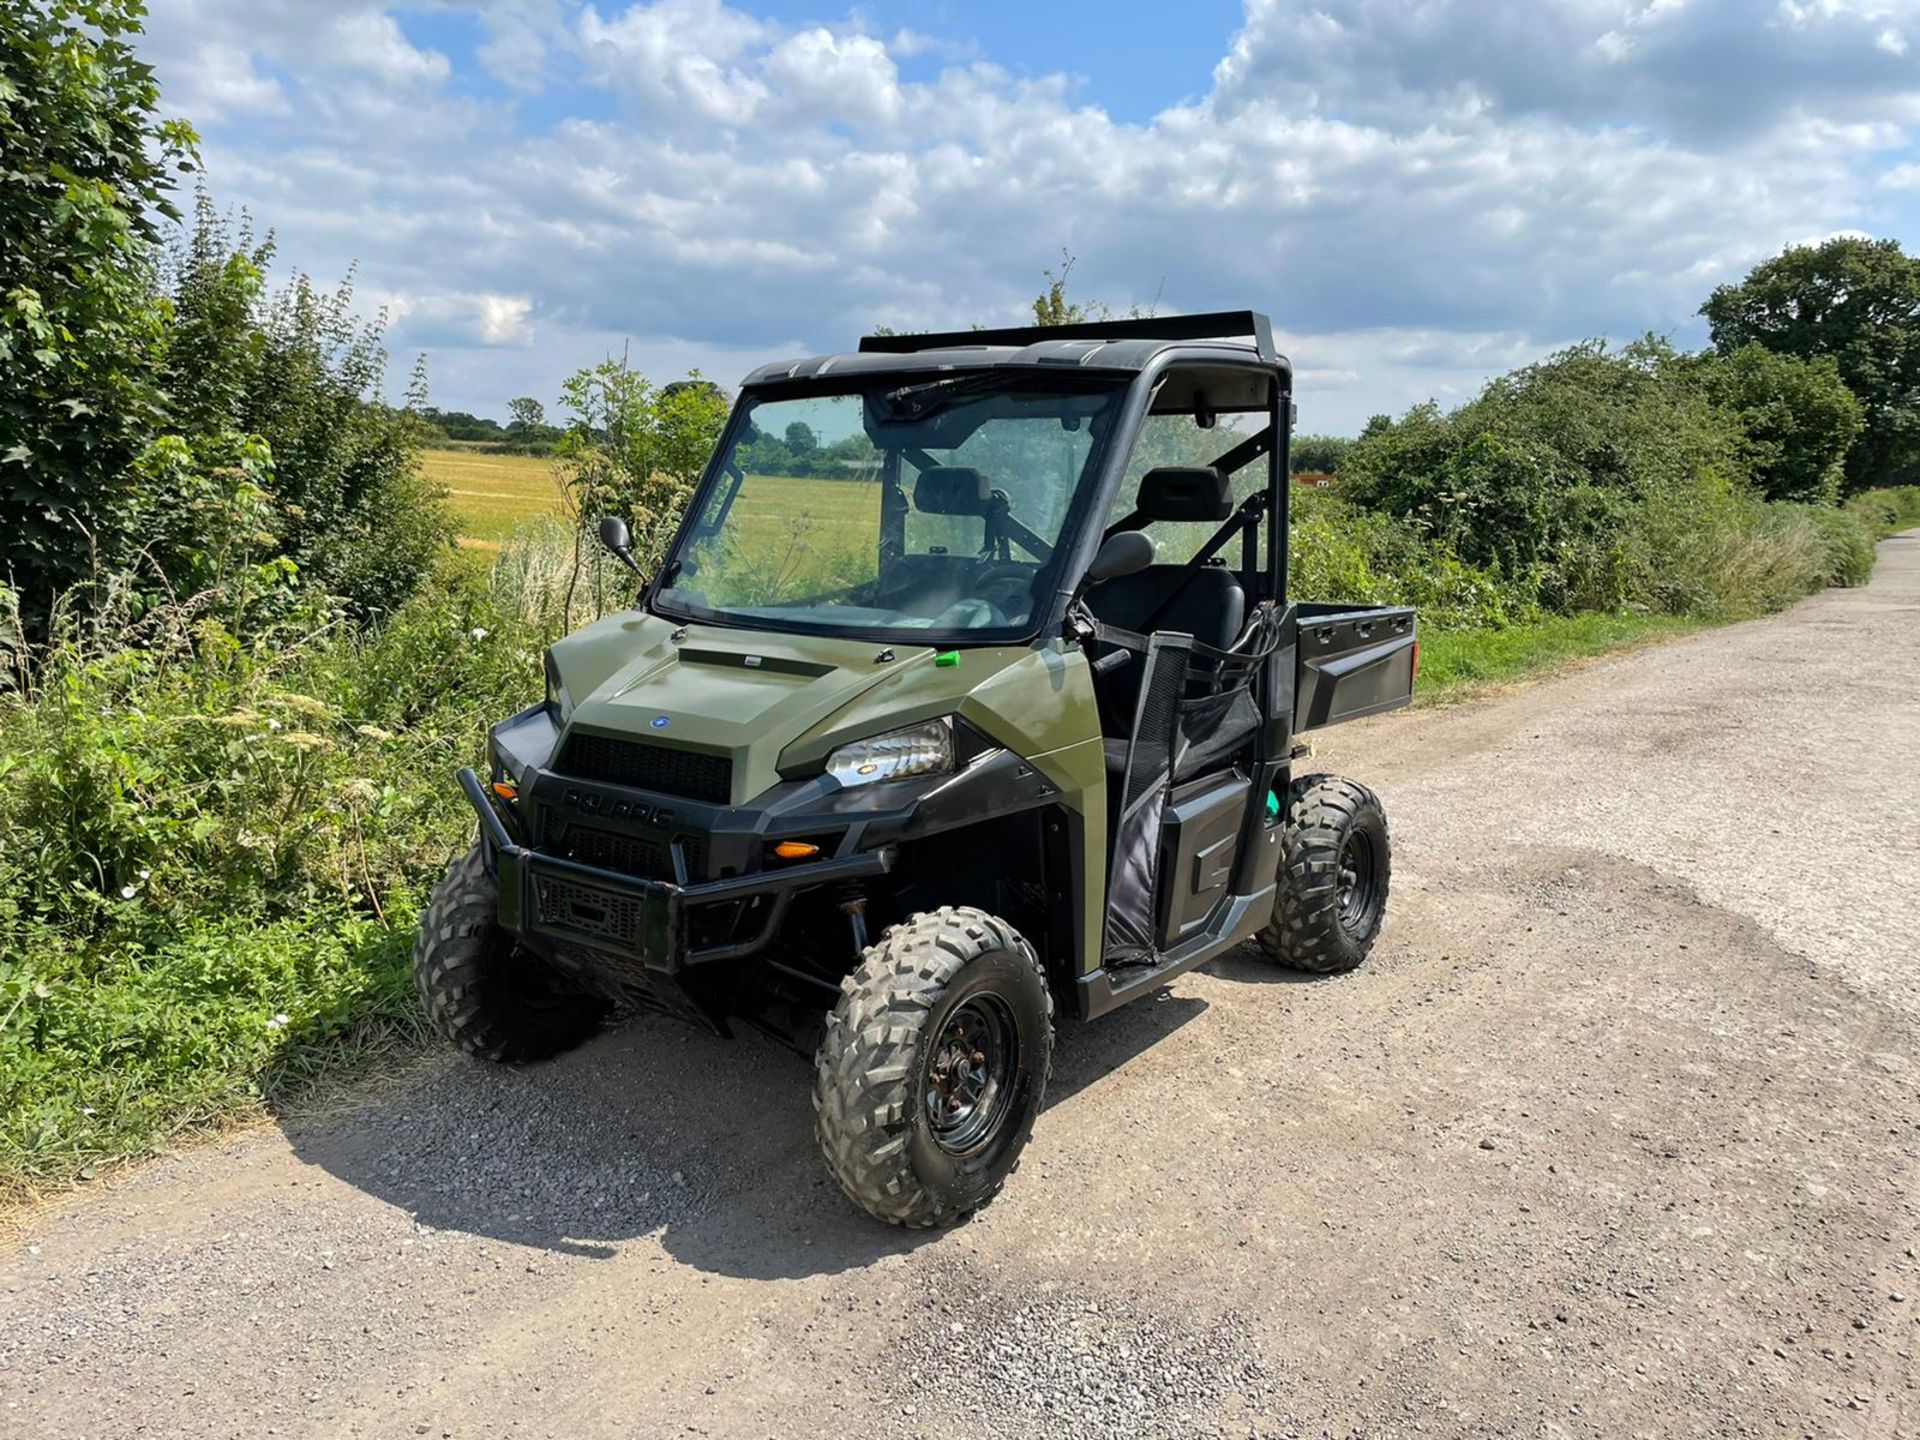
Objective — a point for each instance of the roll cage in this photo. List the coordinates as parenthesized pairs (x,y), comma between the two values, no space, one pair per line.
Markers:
(1157,359)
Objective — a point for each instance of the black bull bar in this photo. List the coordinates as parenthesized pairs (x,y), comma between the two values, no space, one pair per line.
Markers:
(550,896)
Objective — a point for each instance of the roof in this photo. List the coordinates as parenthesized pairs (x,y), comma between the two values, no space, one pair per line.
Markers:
(1109,346)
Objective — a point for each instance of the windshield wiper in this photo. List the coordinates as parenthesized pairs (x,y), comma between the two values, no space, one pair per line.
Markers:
(914,401)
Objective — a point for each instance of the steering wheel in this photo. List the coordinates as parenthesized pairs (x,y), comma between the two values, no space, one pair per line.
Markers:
(1005,582)
(971,615)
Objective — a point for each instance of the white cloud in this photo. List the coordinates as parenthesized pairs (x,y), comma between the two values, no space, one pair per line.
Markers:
(456,317)
(677,54)
(373,44)
(503,319)
(220,80)
(820,75)
(1421,191)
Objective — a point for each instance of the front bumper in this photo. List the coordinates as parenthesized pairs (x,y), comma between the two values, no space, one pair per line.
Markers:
(567,903)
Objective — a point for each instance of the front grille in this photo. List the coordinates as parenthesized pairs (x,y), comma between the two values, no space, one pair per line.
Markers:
(648,856)
(587,911)
(686,773)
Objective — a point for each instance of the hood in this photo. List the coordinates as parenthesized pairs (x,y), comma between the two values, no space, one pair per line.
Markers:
(744,694)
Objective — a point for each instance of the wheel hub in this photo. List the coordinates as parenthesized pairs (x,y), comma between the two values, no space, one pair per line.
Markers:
(969,1074)
(1358,883)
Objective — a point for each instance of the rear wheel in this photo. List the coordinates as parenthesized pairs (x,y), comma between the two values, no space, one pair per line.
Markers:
(933,1067)
(482,989)
(1335,863)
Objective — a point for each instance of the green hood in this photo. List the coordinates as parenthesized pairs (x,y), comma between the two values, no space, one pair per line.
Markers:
(767,700)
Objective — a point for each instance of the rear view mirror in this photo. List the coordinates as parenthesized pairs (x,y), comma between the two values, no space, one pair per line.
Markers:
(1127,553)
(615,535)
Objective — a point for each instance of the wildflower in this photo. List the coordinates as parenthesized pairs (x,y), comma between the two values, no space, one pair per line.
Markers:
(273,725)
(304,705)
(127,892)
(280,1021)
(373,732)
(479,632)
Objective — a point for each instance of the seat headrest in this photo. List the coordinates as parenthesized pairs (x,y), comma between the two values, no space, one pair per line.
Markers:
(951,490)
(1184,492)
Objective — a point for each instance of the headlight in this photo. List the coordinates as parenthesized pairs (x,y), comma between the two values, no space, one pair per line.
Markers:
(556,691)
(917,750)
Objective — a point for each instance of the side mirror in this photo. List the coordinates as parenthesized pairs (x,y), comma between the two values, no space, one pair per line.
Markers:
(615,535)
(1127,553)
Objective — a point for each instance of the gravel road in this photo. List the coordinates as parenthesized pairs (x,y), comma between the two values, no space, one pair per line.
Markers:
(1615,1135)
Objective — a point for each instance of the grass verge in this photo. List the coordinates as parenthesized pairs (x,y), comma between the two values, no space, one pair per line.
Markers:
(1455,664)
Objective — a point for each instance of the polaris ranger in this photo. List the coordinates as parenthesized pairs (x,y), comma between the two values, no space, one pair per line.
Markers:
(967,690)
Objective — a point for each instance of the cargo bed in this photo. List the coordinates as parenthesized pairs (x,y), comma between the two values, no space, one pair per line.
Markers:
(1352,660)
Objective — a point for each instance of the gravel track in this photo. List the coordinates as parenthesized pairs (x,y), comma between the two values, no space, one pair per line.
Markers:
(1616,1134)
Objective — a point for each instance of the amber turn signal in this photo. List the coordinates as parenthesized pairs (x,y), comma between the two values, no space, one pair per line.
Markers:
(505,791)
(796,850)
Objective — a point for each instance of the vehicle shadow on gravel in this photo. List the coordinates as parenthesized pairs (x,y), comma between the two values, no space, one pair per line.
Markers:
(653,1129)
(1245,965)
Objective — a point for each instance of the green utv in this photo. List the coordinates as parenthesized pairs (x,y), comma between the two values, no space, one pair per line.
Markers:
(967,690)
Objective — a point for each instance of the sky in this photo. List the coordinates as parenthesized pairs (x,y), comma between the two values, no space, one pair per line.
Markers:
(1421,193)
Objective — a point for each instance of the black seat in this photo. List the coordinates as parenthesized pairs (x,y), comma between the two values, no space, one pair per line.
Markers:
(1206,601)
(1208,604)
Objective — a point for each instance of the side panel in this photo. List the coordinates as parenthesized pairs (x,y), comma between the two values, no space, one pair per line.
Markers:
(1200,842)
(1352,661)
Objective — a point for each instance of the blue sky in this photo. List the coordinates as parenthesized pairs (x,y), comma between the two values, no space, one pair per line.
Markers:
(1421,192)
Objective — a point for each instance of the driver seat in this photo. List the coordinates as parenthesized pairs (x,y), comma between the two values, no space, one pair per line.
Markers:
(1207,602)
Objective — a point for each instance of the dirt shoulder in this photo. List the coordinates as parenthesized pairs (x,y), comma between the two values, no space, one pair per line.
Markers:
(1617,1133)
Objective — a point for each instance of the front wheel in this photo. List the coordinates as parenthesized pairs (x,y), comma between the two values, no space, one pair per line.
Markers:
(483,990)
(1335,862)
(933,1067)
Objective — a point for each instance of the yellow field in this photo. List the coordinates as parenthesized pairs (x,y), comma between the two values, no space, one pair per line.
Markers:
(789,534)
(491,494)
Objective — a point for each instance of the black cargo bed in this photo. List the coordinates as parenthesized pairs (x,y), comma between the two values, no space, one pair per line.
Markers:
(1353,660)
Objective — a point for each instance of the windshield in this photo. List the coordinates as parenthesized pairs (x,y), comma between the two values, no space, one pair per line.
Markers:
(925,505)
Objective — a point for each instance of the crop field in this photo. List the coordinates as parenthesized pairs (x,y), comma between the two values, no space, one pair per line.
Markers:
(492,494)
(790,533)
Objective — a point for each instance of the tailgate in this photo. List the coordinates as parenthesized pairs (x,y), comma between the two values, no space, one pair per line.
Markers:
(1353,660)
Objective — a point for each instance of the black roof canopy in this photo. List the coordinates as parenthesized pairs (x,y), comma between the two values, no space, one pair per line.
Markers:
(1123,346)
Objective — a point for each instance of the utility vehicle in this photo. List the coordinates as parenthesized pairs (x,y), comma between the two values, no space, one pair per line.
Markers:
(966,692)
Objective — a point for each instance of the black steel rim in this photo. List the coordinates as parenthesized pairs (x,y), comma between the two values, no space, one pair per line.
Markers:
(1359,884)
(969,1089)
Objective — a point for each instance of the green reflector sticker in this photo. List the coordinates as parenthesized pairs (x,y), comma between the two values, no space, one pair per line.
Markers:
(1273,806)
(947,657)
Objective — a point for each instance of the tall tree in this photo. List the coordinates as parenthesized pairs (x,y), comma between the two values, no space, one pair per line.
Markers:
(527,413)
(86,172)
(1857,301)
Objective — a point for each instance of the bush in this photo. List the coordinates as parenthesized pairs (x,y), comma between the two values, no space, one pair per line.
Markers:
(1797,416)
(1885,511)
(301,375)
(1339,552)
(213,845)
(1601,479)
(1846,542)
(1540,477)
(90,172)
